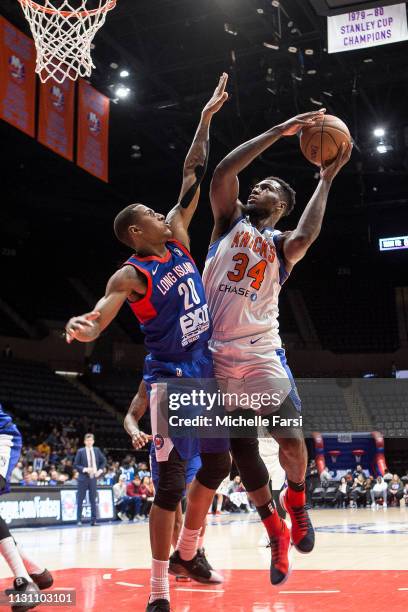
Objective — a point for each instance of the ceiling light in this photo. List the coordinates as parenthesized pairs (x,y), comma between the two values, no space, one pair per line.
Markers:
(379,132)
(114,65)
(309,52)
(270,46)
(327,93)
(290,24)
(311,72)
(275,3)
(316,102)
(260,11)
(368,60)
(382,148)
(229,29)
(292,49)
(124,73)
(122,92)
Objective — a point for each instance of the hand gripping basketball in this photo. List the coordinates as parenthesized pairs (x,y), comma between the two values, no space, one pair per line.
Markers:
(292,126)
(344,154)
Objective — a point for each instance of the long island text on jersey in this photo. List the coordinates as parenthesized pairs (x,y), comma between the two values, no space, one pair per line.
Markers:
(173,314)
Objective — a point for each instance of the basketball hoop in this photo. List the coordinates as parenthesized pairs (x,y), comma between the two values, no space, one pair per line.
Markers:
(358,453)
(63,35)
(334,454)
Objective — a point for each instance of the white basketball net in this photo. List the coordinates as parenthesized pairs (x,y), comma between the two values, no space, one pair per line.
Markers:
(63,31)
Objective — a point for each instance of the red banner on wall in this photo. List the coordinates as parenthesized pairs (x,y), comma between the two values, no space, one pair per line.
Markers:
(56,121)
(93,131)
(17,78)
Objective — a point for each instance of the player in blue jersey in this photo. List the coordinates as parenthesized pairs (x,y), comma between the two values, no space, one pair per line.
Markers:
(29,577)
(140,439)
(165,292)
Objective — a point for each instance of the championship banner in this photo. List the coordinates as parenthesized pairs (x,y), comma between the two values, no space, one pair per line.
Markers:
(17,78)
(56,120)
(369,28)
(93,131)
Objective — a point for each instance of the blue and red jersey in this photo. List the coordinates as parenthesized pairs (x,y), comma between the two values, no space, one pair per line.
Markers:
(173,314)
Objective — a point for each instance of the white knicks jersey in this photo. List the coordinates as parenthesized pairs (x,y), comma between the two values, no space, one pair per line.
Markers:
(243,275)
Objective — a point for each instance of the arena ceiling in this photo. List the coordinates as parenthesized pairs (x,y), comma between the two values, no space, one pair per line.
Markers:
(175,50)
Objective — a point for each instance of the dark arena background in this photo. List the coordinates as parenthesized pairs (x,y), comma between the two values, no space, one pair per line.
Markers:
(343,311)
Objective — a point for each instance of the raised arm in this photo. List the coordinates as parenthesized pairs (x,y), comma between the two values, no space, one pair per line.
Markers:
(195,166)
(125,283)
(225,185)
(295,244)
(137,409)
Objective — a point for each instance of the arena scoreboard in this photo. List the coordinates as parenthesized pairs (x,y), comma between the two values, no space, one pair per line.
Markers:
(393,244)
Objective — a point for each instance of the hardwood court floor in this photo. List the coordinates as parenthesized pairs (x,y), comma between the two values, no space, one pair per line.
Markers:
(360,560)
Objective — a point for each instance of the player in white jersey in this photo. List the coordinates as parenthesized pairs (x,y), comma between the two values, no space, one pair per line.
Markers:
(247,263)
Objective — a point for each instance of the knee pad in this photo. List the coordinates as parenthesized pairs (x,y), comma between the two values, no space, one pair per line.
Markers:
(172,482)
(214,468)
(252,469)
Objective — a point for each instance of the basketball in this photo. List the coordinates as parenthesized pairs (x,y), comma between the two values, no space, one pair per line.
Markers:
(320,143)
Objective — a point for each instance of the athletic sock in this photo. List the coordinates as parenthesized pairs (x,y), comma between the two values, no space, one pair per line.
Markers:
(188,542)
(30,565)
(13,559)
(200,542)
(219,505)
(159,581)
(270,518)
(296,493)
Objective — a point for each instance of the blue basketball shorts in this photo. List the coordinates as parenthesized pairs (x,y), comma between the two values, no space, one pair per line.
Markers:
(197,366)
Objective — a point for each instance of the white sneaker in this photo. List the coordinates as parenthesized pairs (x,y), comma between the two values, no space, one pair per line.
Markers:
(384,504)
(121,516)
(373,505)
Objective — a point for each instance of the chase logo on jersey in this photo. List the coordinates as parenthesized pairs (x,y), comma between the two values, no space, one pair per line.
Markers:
(158,441)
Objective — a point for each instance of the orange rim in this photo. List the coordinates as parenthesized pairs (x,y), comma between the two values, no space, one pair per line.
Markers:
(110,4)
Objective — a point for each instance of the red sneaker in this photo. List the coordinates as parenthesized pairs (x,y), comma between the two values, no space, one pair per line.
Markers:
(302,532)
(280,561)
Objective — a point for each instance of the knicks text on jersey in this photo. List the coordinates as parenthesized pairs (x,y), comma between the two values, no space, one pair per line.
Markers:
(243,276)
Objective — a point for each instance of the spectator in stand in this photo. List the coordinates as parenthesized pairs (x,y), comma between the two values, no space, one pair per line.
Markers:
(357,492)
(17,474)
(146,491)
(380,489)
(395,491)
(405,493)
(121,499)
(143,470)
(109,478)
(128,469)
(29,454)
(325,476)
(44,449)
(349,478)
(33,480)
(43,478)
(368,485)
(342,494)
(387,475)
(53,439)
(312,481)
(133,491)
(238,496)
(73,481)
(53,481)
(358,471)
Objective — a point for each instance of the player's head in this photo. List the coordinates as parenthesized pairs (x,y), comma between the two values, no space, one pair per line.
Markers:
(138,225)
(271,196)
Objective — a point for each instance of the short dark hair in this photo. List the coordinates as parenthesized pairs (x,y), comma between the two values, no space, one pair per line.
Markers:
(89,435)
(290,193)
(121,224)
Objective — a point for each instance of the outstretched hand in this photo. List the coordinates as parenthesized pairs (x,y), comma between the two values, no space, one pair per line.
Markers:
(218,98)
(292,126)
(343,156)
(79,327)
